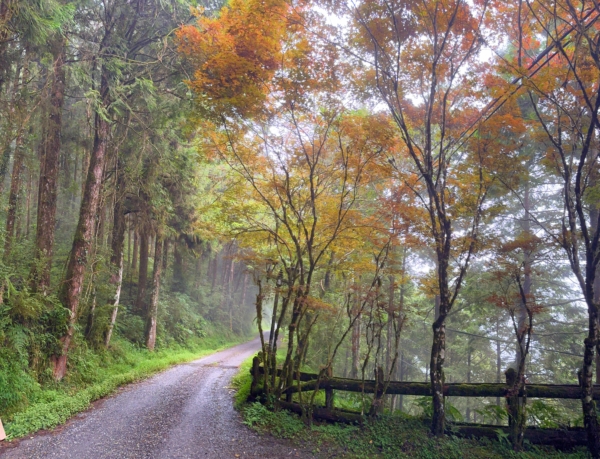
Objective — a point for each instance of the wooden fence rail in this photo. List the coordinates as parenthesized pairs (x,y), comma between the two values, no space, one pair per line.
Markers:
(560,391)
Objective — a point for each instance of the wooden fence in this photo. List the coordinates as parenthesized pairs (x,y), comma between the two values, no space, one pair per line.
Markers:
(560,438)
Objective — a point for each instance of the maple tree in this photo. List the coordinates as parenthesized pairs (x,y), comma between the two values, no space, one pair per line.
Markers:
(563,97)
(421,60)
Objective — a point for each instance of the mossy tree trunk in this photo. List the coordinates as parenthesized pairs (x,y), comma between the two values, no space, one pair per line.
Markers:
(117,251)
(48,180)
(153,308)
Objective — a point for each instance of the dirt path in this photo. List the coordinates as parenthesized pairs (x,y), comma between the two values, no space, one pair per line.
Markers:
(184,412)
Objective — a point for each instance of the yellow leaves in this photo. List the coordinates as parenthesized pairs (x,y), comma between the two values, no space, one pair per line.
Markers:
(314,304)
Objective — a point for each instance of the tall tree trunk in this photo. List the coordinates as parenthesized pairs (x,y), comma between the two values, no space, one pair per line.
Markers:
(390,327)
(143,274)
(117,251)
(73,281)
(244,287)
(592,421)
(401,378)
(214,272)
(134,257)
(527,265)
(498,359)
(230,295)
(153,309)
(177,284)
(436,370)
(468,412)
(13,197)
(48,181)
(356,331)
(165,258)
(28,203)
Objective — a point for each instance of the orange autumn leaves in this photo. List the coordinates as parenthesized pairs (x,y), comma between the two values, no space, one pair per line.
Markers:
(235,54)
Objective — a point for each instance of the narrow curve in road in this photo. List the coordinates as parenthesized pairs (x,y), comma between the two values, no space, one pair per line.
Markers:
(184,412)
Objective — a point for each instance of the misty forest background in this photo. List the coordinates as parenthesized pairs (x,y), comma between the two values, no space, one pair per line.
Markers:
(146,210)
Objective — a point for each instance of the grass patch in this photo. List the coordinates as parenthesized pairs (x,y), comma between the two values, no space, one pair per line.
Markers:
(242,382)
(98,375)
(397,436)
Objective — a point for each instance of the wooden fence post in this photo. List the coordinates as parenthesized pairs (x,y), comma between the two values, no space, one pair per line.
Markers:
(329,391)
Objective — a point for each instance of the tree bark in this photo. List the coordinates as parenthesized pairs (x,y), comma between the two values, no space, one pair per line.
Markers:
(527,265)
(117,252)
(177,284)
(134,257)
(143,274)
(586,374)
(436,369)
(165,258)
(468,411)
(153,309)
(48,181)
(356,339)
(13,197)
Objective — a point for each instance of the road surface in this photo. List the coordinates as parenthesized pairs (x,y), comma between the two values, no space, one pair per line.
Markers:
(184,412)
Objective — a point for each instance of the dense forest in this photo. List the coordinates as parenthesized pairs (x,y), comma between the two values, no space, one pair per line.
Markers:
(392,188)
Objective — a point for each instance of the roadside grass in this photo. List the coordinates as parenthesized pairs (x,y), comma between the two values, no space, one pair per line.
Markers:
(242,382)
(396,436)
(98,374)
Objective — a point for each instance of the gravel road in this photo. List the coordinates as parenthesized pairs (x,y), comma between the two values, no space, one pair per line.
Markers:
(184,412)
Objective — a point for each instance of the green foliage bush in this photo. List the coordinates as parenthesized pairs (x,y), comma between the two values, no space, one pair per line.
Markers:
(30,328)
(179,319)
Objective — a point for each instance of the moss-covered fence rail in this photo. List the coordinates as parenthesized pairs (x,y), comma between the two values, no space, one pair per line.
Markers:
(310,382)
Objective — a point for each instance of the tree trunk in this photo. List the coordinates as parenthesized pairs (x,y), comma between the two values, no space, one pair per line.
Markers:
(165,258)
(117,250)
(48,181)
(522,318)
(498,359)
(230,295)
(244,287)
(28,203)
(73,281)
(390,327)
(4,162)
(134,257)
(468,411)
(177,284)
(215,269)
(401,378)
(143,274)
(153,309)
(436,370)
(590,418)
(91,315)
(13,197)
(356,339)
